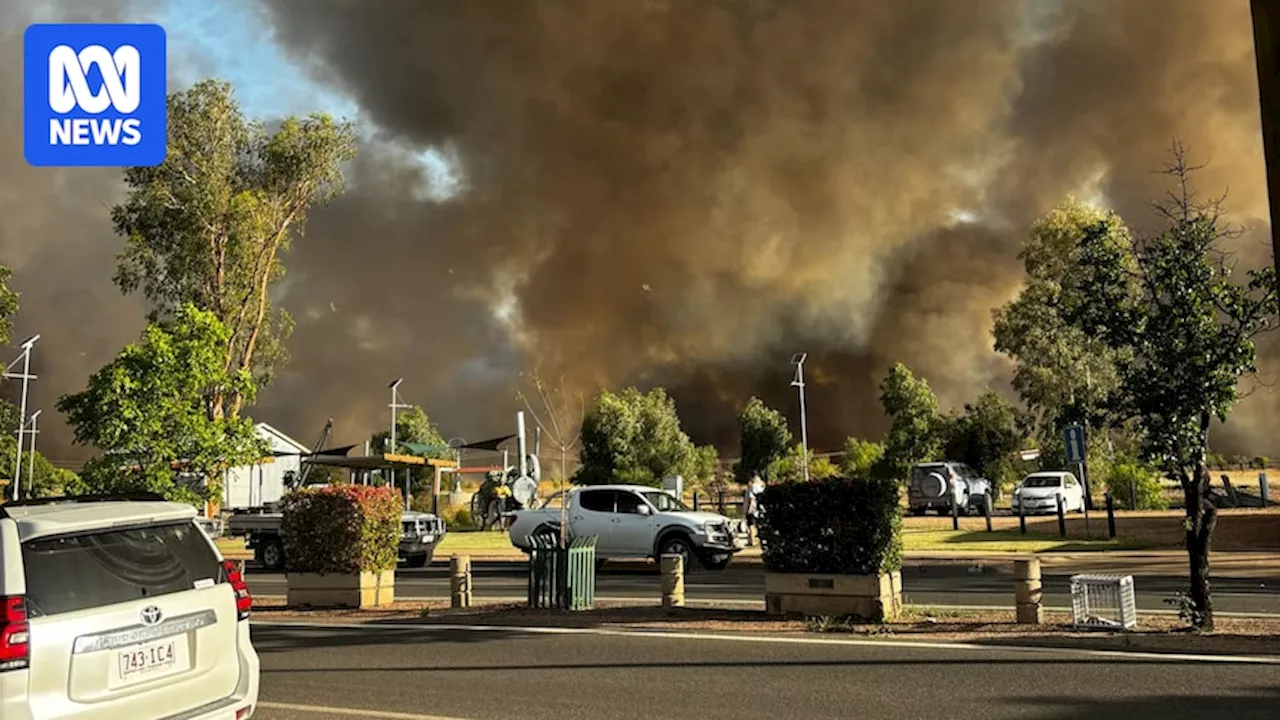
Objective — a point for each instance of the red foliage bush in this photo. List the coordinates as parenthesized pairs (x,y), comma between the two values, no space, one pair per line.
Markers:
(342,529)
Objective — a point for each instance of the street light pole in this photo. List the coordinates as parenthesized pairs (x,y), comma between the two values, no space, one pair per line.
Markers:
(391,441)
(22,409)
(31,459)
(798,360)
(395,406)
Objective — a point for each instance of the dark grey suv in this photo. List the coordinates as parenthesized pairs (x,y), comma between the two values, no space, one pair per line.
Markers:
(937,485)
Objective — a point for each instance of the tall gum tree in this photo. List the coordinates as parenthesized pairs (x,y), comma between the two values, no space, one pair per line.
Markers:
(208,225)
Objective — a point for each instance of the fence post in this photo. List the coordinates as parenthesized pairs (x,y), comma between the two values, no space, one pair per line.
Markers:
(720,502)
(1062,518)
(460,581)
(1027,592)
(695,501)
(1262,487)
(1111,516)
(986,509)
(955,512)
(1022,518)
(672,582)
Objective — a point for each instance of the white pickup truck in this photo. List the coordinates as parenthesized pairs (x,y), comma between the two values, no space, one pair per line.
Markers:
(420,533)
(633,521)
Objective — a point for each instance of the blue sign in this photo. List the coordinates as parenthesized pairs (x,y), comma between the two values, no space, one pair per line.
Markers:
(1075,444)
(93,95)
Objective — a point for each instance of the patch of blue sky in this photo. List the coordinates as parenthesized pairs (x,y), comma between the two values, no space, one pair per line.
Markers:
(233,40)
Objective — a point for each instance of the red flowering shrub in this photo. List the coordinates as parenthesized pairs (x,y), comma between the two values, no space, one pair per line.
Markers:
(342,529)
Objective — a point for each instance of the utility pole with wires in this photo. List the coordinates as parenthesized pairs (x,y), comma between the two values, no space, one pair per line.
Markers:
(798,360)
(27,377)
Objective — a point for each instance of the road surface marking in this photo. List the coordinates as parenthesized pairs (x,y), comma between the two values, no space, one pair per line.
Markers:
(775,640)
(353,712)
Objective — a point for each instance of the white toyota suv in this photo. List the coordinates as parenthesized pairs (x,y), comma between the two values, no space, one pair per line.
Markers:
(120,607)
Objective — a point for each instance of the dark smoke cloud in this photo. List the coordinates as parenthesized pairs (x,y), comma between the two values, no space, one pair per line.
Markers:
(55,233)
(686,192)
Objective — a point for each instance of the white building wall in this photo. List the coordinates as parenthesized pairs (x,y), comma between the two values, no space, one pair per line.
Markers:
(250,486)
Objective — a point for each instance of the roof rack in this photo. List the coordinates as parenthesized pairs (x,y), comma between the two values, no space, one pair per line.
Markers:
(113,497)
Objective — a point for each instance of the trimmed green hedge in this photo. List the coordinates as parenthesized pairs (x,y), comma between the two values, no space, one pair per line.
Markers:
(342,529)
(832,526)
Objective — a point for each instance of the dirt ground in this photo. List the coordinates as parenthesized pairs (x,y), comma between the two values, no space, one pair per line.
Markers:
(1155,633)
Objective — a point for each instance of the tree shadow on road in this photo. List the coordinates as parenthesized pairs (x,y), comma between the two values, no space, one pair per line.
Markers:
(283,638)
(1263,702)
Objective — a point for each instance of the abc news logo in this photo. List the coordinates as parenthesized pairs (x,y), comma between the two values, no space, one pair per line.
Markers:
(69,89)
(94,95)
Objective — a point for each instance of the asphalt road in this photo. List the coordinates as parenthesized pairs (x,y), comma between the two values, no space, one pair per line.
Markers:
(435,673)
(935,584)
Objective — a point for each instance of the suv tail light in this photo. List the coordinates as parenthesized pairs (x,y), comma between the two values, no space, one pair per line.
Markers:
(15,650)
(244,601)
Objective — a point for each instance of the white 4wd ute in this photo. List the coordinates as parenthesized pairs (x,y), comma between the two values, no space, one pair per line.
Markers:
(633,521)
(120,608)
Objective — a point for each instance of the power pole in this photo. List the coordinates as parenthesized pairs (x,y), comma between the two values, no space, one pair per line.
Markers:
(1266,23)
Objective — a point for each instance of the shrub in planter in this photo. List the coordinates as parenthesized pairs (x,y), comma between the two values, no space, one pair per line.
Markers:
(341,544)
(847,530)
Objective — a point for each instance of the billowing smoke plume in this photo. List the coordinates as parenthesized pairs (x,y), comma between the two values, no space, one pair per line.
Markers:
(687,192)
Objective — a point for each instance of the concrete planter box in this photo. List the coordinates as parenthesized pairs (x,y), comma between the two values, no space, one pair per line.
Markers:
(873,598)
(341,590)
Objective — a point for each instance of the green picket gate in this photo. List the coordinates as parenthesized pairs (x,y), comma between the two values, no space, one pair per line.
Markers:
(562,578)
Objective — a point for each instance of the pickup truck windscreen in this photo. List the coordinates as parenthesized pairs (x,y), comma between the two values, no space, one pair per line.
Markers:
(665,502)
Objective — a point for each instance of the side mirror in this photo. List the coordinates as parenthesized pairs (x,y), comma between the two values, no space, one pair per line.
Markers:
(645,510)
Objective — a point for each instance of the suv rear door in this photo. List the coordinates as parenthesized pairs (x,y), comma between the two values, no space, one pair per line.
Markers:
(129,622)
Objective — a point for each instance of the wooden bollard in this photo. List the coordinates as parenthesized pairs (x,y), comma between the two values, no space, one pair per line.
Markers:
(1027,592)
(672,581)
(460,581)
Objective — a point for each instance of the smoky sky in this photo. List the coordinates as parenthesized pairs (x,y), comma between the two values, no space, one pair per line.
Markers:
(687,192)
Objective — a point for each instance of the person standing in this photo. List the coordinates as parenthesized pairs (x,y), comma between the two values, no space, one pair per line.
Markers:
(751,507)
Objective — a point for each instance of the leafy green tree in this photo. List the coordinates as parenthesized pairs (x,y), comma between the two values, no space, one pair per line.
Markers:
(860,457)
(8,305)
(208,225)
(986,436)
(915,431)
(703,463)
(1182,334)
(763,438)
(413,426)
(39,478)
(1136,485)
(1068,369)
(152,411)
(632,437)
(790,467)
(821,468)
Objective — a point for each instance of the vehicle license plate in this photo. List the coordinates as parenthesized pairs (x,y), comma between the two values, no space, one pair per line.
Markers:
(147,661)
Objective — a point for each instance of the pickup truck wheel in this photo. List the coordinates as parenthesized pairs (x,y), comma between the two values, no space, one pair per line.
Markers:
(271,555)
(716,562)
(678,544)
